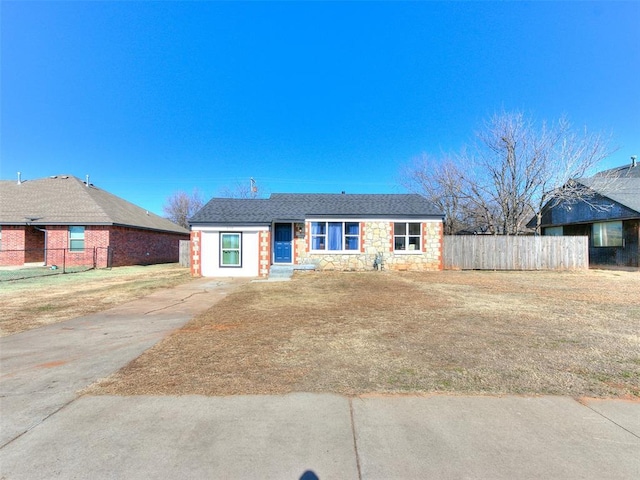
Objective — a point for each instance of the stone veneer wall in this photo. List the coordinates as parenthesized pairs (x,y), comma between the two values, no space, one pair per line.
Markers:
(377,238)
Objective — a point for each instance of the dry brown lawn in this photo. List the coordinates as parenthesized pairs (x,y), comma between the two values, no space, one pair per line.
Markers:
(34,302)
(572,334)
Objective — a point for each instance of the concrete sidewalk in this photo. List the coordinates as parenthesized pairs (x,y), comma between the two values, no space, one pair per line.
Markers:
(48,432)
(330,437)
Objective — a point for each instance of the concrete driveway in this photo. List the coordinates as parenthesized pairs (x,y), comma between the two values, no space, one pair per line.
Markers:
(41,370)
(48,431)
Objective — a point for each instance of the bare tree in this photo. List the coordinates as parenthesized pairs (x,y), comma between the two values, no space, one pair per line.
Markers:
(512,170)
(440,182)
(572,155)
(181,206)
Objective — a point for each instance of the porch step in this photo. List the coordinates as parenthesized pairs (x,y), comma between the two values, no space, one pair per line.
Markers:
(280,272)
(286,271)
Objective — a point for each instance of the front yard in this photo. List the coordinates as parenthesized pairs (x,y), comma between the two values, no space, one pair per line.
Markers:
(472,332)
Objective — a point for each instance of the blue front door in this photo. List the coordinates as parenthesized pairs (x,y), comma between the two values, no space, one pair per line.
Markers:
(282,243)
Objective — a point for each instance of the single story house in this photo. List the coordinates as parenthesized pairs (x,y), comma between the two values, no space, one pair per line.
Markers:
(609,215)
(246,237)
(62,219)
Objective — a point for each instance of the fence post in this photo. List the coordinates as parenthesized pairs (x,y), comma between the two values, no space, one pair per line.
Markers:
(64,260)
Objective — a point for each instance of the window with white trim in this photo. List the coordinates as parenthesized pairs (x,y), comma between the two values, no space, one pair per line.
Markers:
(230,249)
(407,236)
(76,239)
(607,234)
(335,236)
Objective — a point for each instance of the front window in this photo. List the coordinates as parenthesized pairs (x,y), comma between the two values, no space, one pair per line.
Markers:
(76,239)
(230,250)
(335,236)
(607,234)
(406,236)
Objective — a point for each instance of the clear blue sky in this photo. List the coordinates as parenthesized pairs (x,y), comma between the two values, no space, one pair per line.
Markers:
(153,97)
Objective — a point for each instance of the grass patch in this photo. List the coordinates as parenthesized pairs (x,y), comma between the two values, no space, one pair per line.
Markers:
(381,332)
(33,302)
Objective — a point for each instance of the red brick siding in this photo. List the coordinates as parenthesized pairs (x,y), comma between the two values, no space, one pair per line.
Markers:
(127,246)
(12,248)
(196,254)
(133,246)
(264,253)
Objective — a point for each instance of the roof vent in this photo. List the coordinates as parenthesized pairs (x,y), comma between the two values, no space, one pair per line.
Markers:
(633,160)
(87,182)
(19,179)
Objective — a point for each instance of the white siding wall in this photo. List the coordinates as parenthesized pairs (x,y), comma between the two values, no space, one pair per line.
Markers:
(211,252)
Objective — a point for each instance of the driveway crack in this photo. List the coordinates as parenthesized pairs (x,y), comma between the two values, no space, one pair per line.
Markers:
(44,419)
(355,441)
(609,419)
(182,300)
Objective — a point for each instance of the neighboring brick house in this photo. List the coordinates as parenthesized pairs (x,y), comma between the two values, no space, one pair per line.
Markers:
(63,219)
(245,237)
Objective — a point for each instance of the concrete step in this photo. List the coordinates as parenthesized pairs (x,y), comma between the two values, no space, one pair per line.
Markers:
(280,271)
(286,271)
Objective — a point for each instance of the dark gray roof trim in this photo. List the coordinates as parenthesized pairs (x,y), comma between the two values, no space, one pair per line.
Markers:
(292,207)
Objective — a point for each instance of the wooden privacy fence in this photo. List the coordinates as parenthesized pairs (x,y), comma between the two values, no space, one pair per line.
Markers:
(490,252)
(185,259)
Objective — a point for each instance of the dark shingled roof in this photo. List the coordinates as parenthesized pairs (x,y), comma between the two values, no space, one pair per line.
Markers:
(631,170)
(298,206)
(66,200)
(624,190)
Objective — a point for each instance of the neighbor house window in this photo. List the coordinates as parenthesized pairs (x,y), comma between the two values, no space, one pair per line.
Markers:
(76,239)
(230,250)
(553,231)
(335,236)
(607,234)
(406,236)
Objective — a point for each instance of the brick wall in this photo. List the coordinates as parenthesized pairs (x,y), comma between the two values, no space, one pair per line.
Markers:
(264,249)
(131,246)
(196,254)
(96,242)
(12,248)
(104,245)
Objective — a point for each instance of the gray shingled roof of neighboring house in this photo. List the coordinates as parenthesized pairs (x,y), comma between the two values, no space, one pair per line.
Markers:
(623,190)
(630,170)
(66,200)
(299,206)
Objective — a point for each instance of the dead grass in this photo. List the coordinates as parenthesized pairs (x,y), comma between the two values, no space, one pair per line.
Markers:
(31,303)
(360,333)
